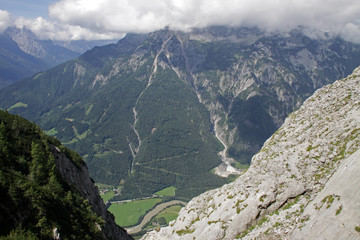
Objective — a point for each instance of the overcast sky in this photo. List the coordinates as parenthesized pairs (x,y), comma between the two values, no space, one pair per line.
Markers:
(106,19)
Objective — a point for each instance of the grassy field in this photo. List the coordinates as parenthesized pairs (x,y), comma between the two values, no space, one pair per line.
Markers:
(128,214)
(170,213)
(107,196)
(104,186)
(169,191)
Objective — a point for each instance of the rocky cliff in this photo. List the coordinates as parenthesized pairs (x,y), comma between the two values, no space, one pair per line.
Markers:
(78,177)
(303,184)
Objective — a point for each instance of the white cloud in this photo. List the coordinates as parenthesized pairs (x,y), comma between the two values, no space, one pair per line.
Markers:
(92,19)
(338,17)
(45,29)
(4,20)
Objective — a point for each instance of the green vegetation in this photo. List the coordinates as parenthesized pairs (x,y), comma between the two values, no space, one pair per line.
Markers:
(185,231)
(34,197)
(169,191)
(51,132)
(165,216)
(129,213)
(170,213)
(107,196)
(357,228)
(18,105)
(291,202)
(328,200)
(338,211)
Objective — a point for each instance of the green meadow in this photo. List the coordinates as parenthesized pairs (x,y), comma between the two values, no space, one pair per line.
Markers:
(170,213)
(169,191)
(128,214)
(107,196)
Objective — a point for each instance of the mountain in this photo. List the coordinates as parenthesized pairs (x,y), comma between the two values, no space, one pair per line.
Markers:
(22,53)
(45,50)
(303,184)
(178,109)
(81,46)
(46,189)
(15,63)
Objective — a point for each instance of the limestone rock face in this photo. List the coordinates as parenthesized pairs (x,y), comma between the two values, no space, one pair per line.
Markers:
(78,177)
(303,184)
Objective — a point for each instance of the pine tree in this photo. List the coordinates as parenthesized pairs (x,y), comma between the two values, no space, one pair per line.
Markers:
(4,149)
(38,164)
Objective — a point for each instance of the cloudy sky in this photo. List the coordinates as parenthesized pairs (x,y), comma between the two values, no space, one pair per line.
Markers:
(110,19)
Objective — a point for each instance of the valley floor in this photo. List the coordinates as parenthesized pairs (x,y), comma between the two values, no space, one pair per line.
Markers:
(153,213)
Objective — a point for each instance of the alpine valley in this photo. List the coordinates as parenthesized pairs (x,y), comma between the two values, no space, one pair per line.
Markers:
(182,109)
(303,184)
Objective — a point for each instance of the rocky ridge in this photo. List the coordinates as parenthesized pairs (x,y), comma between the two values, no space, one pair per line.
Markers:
(301,185)
(45,50)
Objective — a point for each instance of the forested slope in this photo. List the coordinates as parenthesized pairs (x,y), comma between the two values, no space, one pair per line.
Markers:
(37,197)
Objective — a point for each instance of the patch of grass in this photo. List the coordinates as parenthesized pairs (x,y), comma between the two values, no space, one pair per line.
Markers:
(238,165)
(89,109)
(232,177)
(184,231)
(104,186)
(18,105)
(263,220)
(51,132)
(74,140)
(338,211)
(128,214)
(169,191)
(170,213)
(357,228)
(328,200)
(107,196)
(242,234)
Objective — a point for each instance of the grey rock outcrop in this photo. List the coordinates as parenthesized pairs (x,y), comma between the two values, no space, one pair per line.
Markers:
(303,184)
(79,179)
(45,50)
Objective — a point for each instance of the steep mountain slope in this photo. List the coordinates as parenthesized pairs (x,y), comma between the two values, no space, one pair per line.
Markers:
(155,110)
(45,50)
(46,189)
(16,64)
(22,54)
(303,184)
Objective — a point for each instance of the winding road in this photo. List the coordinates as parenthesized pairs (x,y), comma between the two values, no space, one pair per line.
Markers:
(152,214)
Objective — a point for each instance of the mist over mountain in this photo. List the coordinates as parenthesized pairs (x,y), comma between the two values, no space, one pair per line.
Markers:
(111,19)
(183,109)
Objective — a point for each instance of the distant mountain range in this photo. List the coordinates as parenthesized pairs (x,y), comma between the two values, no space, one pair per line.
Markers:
(178,109)
(22,54)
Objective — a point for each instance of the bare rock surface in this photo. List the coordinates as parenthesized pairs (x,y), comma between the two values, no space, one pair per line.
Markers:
(78,177)
(303,184)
